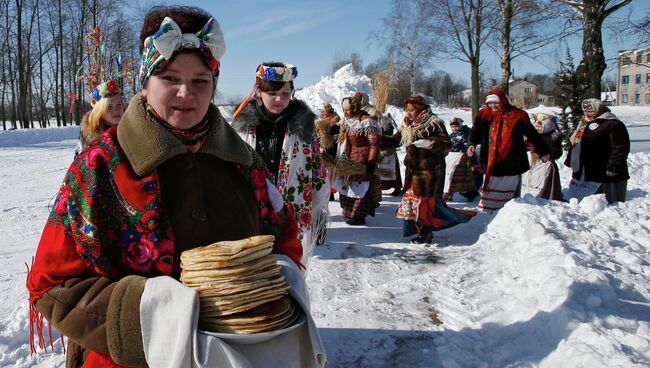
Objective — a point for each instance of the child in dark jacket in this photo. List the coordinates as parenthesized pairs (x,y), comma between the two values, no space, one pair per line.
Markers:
(463,177)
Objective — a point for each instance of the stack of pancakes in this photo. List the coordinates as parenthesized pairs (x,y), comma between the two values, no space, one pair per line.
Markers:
(240,286)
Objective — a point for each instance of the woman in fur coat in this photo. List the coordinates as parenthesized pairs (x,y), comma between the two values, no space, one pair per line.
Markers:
(427,143)
(598,155)
(172,176)
(282,131)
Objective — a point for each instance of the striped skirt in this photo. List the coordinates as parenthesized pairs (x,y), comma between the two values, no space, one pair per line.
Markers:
(359,208)
(499,190)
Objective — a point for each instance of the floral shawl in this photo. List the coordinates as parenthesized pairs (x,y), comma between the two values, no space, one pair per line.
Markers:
(302,179)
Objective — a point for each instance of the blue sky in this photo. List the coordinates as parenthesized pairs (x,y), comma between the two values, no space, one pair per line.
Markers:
(310,33)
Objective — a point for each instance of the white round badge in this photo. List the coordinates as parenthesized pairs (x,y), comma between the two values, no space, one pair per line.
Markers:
(593,126)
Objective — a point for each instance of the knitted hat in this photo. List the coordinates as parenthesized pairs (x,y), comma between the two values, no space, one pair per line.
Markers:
(456,121)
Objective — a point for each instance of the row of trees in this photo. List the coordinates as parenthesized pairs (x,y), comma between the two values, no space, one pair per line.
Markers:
(415,31)
(42,51)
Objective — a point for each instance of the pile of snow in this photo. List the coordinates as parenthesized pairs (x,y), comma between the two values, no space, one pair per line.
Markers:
(21,137)
(541,109)
(332,89)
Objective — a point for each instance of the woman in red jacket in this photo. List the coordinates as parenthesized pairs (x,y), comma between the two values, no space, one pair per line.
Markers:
(172,176)
(500,129)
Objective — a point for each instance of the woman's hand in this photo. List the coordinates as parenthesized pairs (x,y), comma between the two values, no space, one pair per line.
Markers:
(470,150)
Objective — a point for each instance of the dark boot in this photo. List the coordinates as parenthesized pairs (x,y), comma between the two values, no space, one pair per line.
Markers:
(424,238)
(356,221)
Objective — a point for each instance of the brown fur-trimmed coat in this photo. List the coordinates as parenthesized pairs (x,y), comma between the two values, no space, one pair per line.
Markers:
(425,168)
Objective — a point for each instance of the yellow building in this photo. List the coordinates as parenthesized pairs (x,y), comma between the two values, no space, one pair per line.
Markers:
(633,82)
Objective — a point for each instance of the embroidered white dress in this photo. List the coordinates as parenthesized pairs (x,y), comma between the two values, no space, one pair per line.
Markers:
(302,179)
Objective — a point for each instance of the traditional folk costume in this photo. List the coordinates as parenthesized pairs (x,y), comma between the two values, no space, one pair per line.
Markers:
(598,155)
(130,204)
(503,150)
(89,131)
(359,194)
(289,147)
(389,160)
(427,143)
(328,129)
(543,178)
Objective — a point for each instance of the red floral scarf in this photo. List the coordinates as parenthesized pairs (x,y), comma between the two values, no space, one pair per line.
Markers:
(502,125)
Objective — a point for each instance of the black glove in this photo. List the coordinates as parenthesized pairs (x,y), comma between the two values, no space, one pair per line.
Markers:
(370,169)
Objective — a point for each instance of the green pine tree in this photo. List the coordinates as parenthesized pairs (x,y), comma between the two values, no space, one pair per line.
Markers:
(572,88)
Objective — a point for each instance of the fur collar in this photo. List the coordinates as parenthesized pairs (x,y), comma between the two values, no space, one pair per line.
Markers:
(300,122)
(147,144)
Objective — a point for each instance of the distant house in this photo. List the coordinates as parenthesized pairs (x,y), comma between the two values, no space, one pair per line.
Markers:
(608,98)
(523,92)
(546,100)
(633,80)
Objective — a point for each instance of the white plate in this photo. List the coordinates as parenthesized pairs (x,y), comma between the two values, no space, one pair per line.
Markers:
(255,338)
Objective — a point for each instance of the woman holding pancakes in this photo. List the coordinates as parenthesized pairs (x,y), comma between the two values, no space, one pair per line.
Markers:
(171,177)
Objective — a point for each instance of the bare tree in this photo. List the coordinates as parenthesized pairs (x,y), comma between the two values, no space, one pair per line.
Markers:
(592,14)
(463,26)
(642,29)
(342,58)
(444,88)
(522,28)
(406,34)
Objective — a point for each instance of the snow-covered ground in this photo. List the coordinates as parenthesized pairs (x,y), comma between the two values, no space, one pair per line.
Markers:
(538,284)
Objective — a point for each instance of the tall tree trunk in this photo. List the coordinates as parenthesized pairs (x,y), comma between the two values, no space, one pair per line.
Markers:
(61,62)
(506,10)
(20,64)
(11,71)
(42,109)
(412,77)
(3,81)
(593,55)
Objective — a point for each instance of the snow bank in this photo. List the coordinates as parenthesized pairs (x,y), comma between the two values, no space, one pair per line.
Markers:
(16,138)
(332,89)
